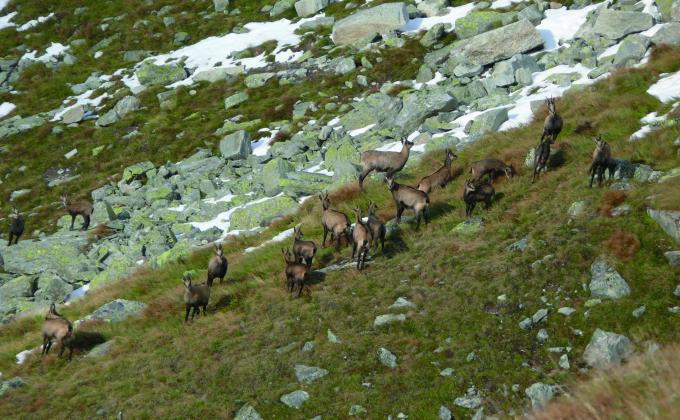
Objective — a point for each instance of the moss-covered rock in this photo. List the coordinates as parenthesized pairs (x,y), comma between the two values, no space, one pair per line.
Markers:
(272,173)
(476,23)
(261,213)
(150,74)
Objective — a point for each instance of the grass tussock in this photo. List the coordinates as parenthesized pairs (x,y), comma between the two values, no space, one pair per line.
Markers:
(623,245)
(610,199)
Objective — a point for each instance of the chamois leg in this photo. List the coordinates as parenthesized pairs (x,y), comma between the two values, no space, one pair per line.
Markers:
(186,317)
(86,222)
(354,250)
(11,235)
(487,203)
(73,220)
(62,346)
(419,215)
(601,175)
(337,242)
(210,279)
(301,283)
(364,173)
(400,210)
(45,342)
(70,350)
(205,310)
(592,177)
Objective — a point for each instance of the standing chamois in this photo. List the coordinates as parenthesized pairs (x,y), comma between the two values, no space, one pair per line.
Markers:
(195,296)
(296,273)
(57,328)
(407,197)
(362,236)
(601,157)
(492,167)
(553,122)
(218,266)
(389,162)
(541,157)
(440,177)
(16,228)
(83,208)
(333,221)
(475,193)
(377,227)
(303,251)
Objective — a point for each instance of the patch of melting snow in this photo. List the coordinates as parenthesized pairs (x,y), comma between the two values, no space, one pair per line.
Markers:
(22,356)
(562,24)
(610,51)
(360,131)
(278,238)
(76,294)
(225,199)
(653,30)
(453,14)
(52,52)
(334,121)
(82,99)
(502,4)
(6,108)
(222,220)
(261,147)
(33,23)
(438,77)
(317,169)
(6,21)
(667,88)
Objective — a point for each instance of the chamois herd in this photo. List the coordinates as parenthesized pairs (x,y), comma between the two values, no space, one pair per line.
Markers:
(364,234)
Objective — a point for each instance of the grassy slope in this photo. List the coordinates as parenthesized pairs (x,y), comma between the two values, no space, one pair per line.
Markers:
(160,367)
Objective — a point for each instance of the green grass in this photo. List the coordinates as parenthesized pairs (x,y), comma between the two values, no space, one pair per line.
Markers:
(160,367)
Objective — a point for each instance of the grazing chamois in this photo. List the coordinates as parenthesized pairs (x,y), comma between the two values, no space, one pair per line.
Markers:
(83,208)
(296,273)
(541,157)
(553,122)
(333,221)
(491,167)
(440,177)
(218,266)
(475,193)
(601,157)
(377,227)
(57,328)
(407,197)
(362,236)
(389,162)
(303,251)
(16,228)
(195,296)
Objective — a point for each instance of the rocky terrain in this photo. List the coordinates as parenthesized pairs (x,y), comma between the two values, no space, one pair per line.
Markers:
(197,122)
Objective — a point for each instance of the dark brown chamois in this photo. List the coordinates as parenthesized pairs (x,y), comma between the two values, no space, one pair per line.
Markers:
(491,167)
(296,273)
(601,161)
(57,328)
(16,228)
(476,193)
(362,237)
(75,208)
(553,122)
(440,177)
(195,297)
(303,251)
(541,157)
(377,227)
(406,197)
(333,221)
(388,162)
(218,265)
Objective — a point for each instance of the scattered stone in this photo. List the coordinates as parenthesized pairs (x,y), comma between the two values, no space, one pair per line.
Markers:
(295,399)
(540,315)
(308,346)
(332,338)
(526,323)
(489,121)
(355,410)
(150,74)
(564,362)
(306,8)
(247,412)
(606,349)
(606,282)
(542,335)
(622,210)
(380,19)
(614,24)
(74,114)
(577,209)
(115,311)
(235,100)
(433,35)
(100,349)
(674,310)
(258,80)
(638,312)
(381,320)
(236,146)
(676,293)
(446,372)
(402,303)
(445,413)
(468,402)
(433,7)
(387,358)
(518,246)
(668,34)
(14,383)
(539,394)
(15,195)
(669,222)
(566,311)
(309,374)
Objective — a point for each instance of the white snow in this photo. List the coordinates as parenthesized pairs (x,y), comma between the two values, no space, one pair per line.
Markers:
(51,53)
(334,121)
(225,199)
(641,133)
(501,4)
(609,51)
(33,23)
(360,131)
(22,356)
(6,21)
(438,77)
(78,293)
(317,169)
(82,99)
(561,25)
(222,222)
(6,108)
(261,147)
(653,30)
(667,88)
(278,238)
(423,24)
(3,4)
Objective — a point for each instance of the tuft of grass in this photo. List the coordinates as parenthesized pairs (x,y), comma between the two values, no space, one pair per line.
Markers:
(623,245)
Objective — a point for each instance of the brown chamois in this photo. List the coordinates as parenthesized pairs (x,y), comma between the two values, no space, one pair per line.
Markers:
(407,197)
(553,122)
(218,265)
(440,177)
(333,221)
(83,208)
(303,251)
(491,167)
(541,157)
(601,157)
(16,228)
(389,162)
(195,296)
(377,227)
(475,193)
(296,273)
(57,328)
(362,238)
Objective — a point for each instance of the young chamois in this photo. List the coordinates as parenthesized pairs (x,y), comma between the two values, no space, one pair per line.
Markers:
(377,227)
(601,157)
(195,296)
(333,221)
(473,193)
(16,228)
(407,197)
(303,251)
(296,272)
(389,162)
(491,167)
(57,328)
(362,236)
(83,208)
(553,122)
(541,157)
(218,266)
(440,177)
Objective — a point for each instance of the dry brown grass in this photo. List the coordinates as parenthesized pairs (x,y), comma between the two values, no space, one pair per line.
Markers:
(647,387)
(610,199)
(623,245)
(280,136)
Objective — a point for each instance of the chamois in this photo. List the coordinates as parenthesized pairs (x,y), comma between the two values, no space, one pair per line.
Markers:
(303,251)
(377,227)
(218,266)
(601,158)
(440,177)
(553,122)
(407,197)
(16,228)
(475,193)
(389,162)
(195,296)
(492,167)
(541,156)
(57,328)
(362,236)
(296,272)
(333,221)
(83,208)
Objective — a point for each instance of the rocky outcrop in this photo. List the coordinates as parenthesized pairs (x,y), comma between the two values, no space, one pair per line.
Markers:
(380,19)
(606,349)
(306,8)
(669,221)
(150,74)
(606,282)
(615,24)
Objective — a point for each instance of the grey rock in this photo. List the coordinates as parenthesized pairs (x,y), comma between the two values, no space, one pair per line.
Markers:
(542,335)
(381,320)
(478,22)
(16,125)
(219,74)
(445,413)
(622,210)
(446,372)
(639,311)
(434,34)
(306,8)
(108,119)
(504,72)
(74,114)
(669,221)
(247,412)
(467,70)
(52,287)
(115,311)
(182,38)
(526,323)
(281,6)
(332,338)
(668,34)
(433,7)
(614,24)
(673,258)
(308,346)
(518,246)
(402,303)
(380,19)
(540,315)
(564,362)
(676,293)
(309,374)
(606,282)
(489,121)
(221,6)
(167,99)
(420,105)
(356,410)
(566,311)
(387,358)
(532,14)
(235,100)
(577,209)
(100,350)
(150,74)
(631,51)
(468,402)
(14,383)
(295,399)
(258,80)
(135,55)
(539,394)
(606,349)
(345,66)
(320,22)
(126,105)
(236,145)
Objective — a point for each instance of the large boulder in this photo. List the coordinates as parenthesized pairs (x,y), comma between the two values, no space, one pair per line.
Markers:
(499,44)
(247,412)
(508,72)
(539,394)
(489,121)
(150,74)
(52,288)
(631,51)
(668,34)
(420,105)
(262,213)
(273,172)
(606,282)
(378,108)
(615,24)
(433,7)
(606,349)
(478,22)
(115,311)
(236,145)
(306,8)
(380,19)
(668,220)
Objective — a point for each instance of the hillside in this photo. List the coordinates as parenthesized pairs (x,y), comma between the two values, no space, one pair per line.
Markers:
(491,315)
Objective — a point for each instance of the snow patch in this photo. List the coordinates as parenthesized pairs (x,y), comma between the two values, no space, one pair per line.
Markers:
(33,23)
(6,108)
(6,21)
(423,24)
(51,53)
(667,88)
(360,131)
(278,238)
(562,24)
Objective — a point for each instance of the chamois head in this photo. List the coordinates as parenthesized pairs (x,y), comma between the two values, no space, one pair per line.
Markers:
(218,250)
(390,182)
(64,200)
(469,186)
(550,102)
(406,143)
(600,141)
(450,156)
(357,211)
(14,213)
(325,201)
(287,255)
(297,232)
(372,207)
(509,171)
(186,279)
